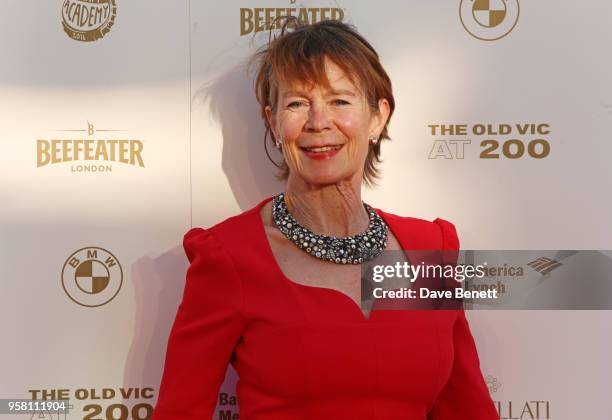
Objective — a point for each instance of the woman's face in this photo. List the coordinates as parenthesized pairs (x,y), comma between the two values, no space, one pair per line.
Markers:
(325,132)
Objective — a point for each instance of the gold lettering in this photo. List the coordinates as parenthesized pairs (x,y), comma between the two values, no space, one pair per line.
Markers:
(135,150)
(258,19)
(78,149)
(66,148)
(123,151)
(544,129)
(97,15)
(42,153)
(112,144)
(89,150)
(73,262)
(101,153)
(303,14)
(291,12)
(279,14)
(268,13)
(246,21)
(84,16)
(55,151)
(75,14)
(263,19)
(92,16)
(146,393)
(110,262)
(313,14)
(527,409)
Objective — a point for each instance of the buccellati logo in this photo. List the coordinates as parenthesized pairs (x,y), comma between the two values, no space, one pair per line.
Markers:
(489,20)
(492,383)
(88,20)
(531,409)
(92,276)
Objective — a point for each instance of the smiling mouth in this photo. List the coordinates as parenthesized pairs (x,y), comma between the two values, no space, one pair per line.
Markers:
(322,149)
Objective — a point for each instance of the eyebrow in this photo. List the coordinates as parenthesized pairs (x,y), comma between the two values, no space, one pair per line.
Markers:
(342,92)
(331,92)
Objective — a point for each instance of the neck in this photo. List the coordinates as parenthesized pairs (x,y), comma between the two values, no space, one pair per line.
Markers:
(331,210)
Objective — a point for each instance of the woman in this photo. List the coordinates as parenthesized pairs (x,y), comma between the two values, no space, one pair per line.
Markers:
(275,290)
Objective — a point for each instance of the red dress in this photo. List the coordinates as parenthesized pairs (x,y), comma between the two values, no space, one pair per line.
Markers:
(305,352)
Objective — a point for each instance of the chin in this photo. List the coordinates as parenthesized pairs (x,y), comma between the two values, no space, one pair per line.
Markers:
(322,179)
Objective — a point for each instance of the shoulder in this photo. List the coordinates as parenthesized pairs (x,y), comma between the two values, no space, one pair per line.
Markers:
(228,234)
(421,233)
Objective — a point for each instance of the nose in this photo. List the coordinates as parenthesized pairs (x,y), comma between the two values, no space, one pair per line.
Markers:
(318,118)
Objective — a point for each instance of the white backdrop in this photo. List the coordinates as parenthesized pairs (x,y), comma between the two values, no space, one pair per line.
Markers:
(172,76)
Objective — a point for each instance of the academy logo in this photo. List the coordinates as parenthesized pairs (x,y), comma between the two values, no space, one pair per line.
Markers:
(88,20)
(489,20)
(92,276)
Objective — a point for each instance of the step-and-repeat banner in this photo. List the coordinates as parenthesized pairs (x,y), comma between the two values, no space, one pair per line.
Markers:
(125,123)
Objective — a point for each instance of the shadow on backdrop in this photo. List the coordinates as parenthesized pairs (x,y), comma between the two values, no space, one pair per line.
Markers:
(230,102)
(158,291)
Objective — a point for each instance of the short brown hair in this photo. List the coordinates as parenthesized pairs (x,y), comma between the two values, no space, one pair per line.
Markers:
(299,53)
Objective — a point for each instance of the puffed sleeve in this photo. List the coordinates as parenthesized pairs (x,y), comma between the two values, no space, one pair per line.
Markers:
(208,324)
(465,395)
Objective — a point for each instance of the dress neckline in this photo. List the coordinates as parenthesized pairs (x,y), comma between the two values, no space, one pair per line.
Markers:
(269,254)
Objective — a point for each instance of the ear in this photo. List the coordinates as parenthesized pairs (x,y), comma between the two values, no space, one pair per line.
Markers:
(271,119)
(379,119)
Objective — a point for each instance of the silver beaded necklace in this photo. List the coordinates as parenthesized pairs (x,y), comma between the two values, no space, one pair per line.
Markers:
(347,250)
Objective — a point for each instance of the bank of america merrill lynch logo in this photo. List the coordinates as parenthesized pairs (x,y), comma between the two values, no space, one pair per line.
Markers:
(544,265)
(489,20)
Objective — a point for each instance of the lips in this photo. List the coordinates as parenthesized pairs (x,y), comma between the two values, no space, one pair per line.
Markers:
(322,151)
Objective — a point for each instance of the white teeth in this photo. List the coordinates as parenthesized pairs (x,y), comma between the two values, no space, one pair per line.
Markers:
(323,149)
